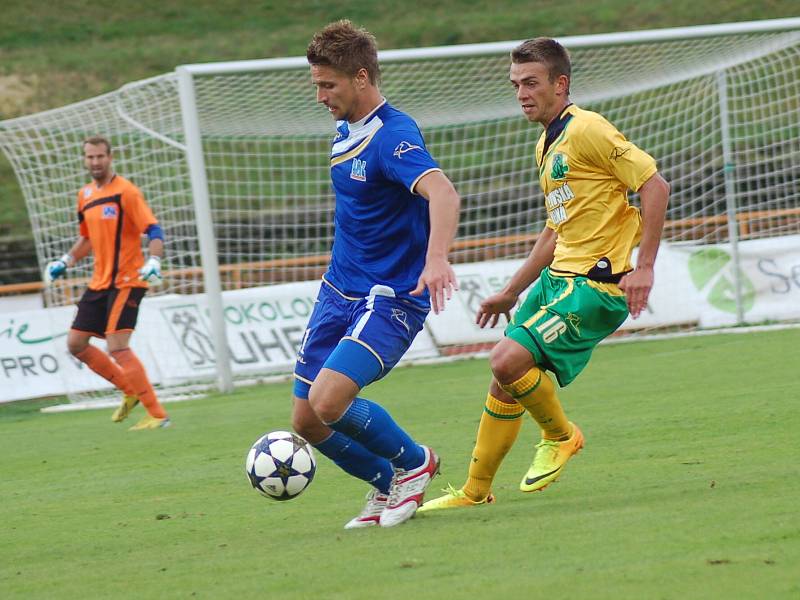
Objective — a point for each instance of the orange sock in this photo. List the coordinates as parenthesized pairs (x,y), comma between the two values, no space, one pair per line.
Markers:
(135,373)
(99,362)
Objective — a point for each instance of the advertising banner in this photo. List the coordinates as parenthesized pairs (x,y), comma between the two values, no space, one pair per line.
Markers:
(34,360)
(266,325)
(769,280)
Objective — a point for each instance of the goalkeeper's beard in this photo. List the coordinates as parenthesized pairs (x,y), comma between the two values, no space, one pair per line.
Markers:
(101,176)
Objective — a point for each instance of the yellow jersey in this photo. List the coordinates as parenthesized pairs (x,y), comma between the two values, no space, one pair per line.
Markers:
(586,168)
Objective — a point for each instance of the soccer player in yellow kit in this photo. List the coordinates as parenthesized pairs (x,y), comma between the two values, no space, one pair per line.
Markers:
(586,284)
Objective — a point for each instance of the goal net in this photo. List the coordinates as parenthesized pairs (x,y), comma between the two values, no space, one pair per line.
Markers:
(717,106)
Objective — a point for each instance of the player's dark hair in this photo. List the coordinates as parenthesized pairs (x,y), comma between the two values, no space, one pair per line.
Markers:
(97,140)
(546,51)
(346,48)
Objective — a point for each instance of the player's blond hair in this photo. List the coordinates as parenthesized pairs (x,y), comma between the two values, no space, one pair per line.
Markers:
(546,51)
(346,48)
(97,140)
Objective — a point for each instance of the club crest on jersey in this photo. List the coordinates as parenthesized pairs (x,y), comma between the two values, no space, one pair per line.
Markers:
(359,170)
(87,191)
(560,167)
(404,147)
(109,212)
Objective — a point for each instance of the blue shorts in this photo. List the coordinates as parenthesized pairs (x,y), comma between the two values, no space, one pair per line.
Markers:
(362,338)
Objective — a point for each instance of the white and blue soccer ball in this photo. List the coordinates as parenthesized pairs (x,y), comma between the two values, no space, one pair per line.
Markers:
(280,465)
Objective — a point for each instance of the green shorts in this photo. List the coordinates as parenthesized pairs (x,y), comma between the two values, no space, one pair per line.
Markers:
(563,319)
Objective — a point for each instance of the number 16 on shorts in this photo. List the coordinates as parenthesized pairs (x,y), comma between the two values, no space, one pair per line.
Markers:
(551,329)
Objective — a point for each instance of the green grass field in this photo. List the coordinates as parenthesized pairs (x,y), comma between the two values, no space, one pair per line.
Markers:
(687,488)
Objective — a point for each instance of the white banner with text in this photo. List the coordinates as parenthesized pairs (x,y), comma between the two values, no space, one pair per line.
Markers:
(265,326)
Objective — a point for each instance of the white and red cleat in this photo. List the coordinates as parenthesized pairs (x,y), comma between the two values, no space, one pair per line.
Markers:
(408,490)
(371,514)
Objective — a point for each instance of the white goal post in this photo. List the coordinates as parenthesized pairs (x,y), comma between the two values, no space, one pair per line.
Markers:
(233,158)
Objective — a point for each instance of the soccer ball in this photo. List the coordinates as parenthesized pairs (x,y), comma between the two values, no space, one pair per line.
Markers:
(280,465)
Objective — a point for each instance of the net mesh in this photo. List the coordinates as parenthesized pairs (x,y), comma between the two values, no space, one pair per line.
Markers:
(266,144)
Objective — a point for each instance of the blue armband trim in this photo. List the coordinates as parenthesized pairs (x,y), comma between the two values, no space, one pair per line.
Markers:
(154,232)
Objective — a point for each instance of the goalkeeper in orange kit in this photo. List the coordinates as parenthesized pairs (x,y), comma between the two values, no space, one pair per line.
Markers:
(112,217)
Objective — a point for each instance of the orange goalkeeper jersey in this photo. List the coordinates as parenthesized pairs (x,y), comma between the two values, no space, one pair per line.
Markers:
(114,217)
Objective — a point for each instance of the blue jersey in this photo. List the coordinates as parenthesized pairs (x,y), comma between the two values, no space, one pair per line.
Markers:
(382,226)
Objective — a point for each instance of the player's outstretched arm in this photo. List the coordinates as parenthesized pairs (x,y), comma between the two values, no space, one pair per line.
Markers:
(637,284)
(58,268)
(503,301)
(437,275)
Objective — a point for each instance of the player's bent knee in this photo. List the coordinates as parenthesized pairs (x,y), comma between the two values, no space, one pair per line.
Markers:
(306,423)
(331,394)
(503,371)
(326,406)
(312,430)
(502,367)
(509,364)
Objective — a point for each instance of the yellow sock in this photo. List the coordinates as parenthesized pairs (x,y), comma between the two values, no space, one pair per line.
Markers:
(537,393)
(500,423)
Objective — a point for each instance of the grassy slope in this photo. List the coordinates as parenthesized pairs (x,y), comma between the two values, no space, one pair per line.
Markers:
(77,49)
(687,488)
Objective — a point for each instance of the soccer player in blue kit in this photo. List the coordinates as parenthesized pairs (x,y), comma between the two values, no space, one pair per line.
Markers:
(395,218)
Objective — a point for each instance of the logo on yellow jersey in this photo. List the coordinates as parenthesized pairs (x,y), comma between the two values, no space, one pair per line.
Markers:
(560,167)
(619,152)
(554,203)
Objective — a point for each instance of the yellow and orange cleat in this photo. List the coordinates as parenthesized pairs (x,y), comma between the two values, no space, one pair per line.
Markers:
(551,457)
(125,408)
(453,498)
(149,422)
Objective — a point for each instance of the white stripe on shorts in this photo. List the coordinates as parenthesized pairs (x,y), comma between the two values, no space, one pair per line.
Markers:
(377,290)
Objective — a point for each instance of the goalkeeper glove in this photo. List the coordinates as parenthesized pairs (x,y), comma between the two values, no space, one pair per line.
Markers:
(151,271)
(57,268)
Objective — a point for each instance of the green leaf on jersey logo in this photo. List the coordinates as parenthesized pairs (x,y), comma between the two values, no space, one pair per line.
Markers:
(711,269)
(560,167)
